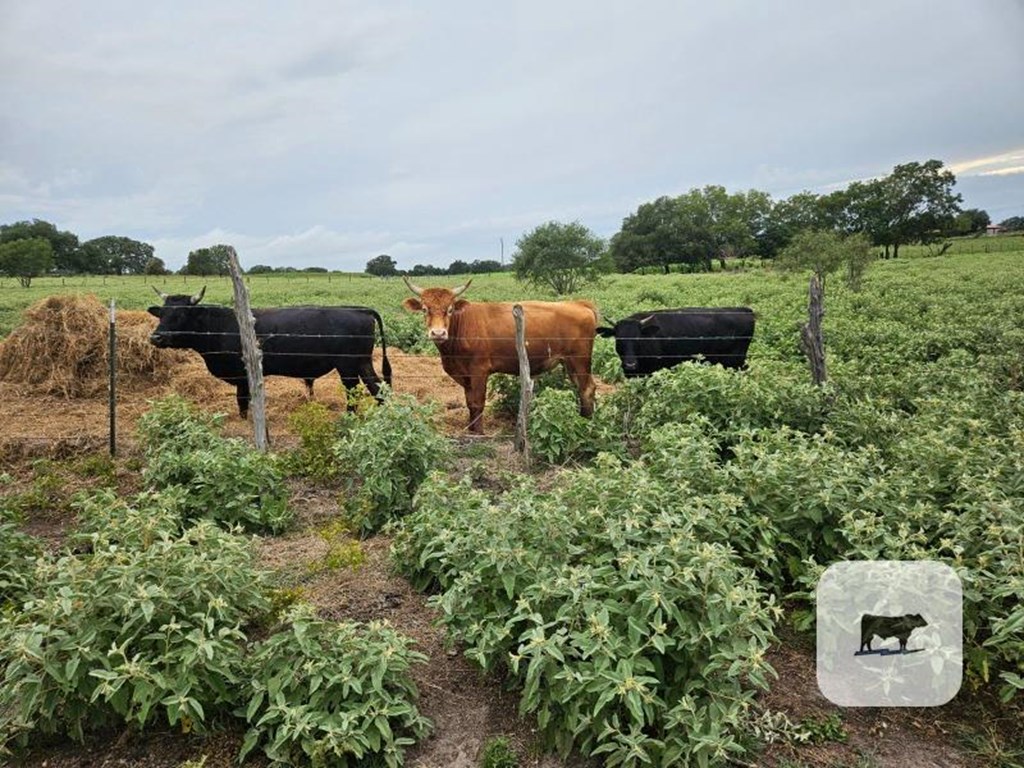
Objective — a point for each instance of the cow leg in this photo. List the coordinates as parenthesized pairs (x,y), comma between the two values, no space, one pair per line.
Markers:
(585,386)
(242,397)
(309,388)
(350,382)
(476,397)
(369,377)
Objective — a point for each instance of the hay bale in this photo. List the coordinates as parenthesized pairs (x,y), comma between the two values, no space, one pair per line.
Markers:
(62,348)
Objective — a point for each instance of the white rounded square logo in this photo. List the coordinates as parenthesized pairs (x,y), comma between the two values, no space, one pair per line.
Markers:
(890,633)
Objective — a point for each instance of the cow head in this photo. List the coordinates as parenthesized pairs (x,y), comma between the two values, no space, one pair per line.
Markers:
(627,333)
(177,299)
(437,305)
(173,316)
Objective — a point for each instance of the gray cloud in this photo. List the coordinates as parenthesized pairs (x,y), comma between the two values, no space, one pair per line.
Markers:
(431,133)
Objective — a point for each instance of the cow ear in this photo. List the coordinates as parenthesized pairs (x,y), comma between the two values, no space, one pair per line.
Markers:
(413,305)
(650,329)
(460,303)
(605,332)
(155,311)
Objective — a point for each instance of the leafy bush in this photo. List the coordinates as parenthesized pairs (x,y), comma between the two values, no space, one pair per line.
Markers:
(326,694)
(173,424)
(503,390)
(18,554)
(386,453)
(317,429)
(612,598)
(224,479)
(556,430)
(228,481)
(131,633)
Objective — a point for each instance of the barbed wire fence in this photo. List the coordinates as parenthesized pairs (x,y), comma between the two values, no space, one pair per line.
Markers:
(277,346)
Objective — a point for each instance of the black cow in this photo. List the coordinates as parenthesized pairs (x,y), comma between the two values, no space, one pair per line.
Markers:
(899,627)
(649,341)
(300,342)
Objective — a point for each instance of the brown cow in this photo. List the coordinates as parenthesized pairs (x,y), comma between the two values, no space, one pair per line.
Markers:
(476,340)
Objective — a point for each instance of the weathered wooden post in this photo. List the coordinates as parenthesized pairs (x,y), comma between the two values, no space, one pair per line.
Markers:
(811,340)
(251,354)
(521,443)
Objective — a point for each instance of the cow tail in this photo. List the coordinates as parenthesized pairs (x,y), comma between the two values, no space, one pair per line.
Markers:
(385,365)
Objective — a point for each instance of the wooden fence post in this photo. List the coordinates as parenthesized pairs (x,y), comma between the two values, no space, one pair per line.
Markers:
(811,340)
(522,444)
(251,354)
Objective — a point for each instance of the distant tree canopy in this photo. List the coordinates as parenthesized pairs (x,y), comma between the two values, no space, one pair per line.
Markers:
(563,257)
(207,261)
(63,245)
(1013,224)
(26,258)
(913,204)
(971,222)
(112,255)
(156,266)
(381,266)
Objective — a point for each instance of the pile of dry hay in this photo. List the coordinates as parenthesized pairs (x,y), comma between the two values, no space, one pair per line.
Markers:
(62,348)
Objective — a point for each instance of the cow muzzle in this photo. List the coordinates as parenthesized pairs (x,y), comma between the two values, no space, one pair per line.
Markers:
(157,339)
(438,334)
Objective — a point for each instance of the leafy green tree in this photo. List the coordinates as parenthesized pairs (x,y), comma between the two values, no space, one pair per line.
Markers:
(25,259)
(427,270)
(651,237)
(459,267)
(381,266)
(67,257)
(1013,224)
(483,266)
(117,255)
(913,204)
(799,212)
(156,266)
(561,256)
(824,252)
(260,269)
(973,221)
(207,261)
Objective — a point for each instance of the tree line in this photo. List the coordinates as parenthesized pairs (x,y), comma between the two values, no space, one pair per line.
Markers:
(913,204)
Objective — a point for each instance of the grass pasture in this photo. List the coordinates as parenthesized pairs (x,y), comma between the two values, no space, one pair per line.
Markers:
(914,451)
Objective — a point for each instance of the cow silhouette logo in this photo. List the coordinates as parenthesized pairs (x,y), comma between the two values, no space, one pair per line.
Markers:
(885,627)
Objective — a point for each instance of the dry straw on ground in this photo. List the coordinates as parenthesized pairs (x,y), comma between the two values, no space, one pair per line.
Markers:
(62,349)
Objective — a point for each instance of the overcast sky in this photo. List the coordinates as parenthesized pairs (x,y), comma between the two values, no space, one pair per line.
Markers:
(325,133)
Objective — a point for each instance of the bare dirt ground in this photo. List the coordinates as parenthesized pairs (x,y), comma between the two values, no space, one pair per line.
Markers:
(466,707)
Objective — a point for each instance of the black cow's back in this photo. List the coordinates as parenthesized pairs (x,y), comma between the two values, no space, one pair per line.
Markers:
(717,335)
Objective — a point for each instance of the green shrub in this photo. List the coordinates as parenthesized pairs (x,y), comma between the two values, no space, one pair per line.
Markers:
(503,390)
(317,429)
(497,752)
(385,453)
(329,694)
(18,555)
(130,634)
(227,481)
(173,424)
(556,430)
(611,598)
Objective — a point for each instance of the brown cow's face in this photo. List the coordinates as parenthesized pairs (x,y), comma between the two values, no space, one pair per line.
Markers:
(437,305)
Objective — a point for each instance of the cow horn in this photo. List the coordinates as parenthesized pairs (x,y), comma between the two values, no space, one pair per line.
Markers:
(647,319)
(159,293)
(198,297)
(412,286)
(458,291)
